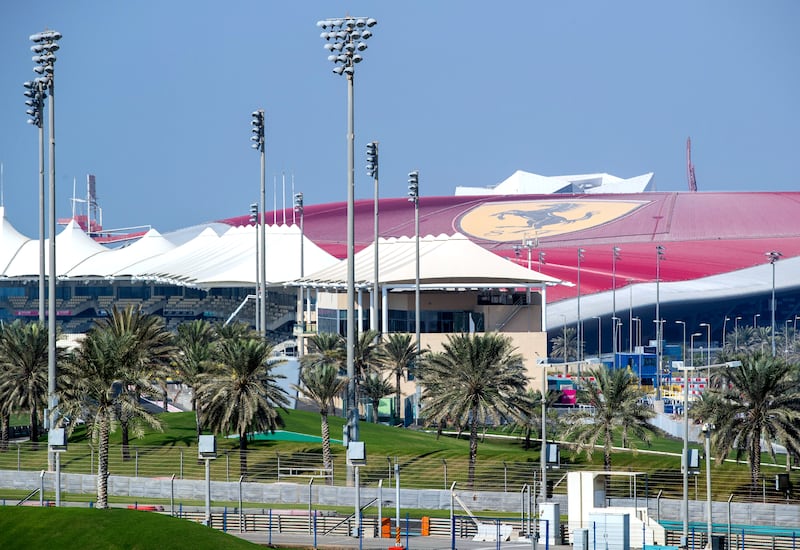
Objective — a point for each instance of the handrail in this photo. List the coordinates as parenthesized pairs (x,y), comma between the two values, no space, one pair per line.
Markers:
(28,497)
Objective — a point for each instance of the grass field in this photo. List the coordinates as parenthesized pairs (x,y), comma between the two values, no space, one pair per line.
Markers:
(425,460)
(92,529)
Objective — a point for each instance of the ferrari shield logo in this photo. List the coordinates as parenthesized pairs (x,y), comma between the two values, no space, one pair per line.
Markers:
(512,221)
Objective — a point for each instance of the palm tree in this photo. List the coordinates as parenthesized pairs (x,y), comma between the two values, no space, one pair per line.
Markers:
(241,393)
(325,348)
(565,345)
(93,381)
(529,422)
(322,383)
(236,330)
(396,356)
(373,389)
(149,357)
(758,400)
(195,345)
(476,380)
(24,366)
(616,403)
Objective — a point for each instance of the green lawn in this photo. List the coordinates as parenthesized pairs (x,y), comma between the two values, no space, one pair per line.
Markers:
(425,460)
(90,529)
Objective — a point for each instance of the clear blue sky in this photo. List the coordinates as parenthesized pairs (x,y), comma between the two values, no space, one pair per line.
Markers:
(155,98)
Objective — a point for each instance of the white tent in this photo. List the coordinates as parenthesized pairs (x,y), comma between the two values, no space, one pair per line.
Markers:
(10,242)
(443,260)
(113,262)
(73,246)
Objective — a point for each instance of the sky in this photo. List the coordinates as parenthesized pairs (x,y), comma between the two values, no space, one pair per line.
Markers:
(154,98)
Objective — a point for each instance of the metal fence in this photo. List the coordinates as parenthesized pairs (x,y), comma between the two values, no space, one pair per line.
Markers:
(428,471)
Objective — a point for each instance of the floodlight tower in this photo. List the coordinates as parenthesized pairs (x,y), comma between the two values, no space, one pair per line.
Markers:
(413,197)
(299,211)
(372,170)
(773,256)
(254,221)
(258,144)
(344,37)
(614,257)
(45,44)
(580,327)
(659,256)
(36,92)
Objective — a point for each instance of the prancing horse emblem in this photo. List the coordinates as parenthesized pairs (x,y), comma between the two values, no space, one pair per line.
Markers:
(508,221)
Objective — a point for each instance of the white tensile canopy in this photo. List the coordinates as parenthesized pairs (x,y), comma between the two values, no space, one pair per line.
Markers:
(444,260)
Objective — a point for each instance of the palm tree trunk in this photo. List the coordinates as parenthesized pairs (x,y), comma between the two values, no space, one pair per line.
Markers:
(755,463)
(34,420)
(396,419)
(5,421)
(198,423)
(327,462)
(102,463)
(126,440)
(473,445)
(243,453)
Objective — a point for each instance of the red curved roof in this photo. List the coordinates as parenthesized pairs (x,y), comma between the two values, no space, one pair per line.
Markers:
(702,233)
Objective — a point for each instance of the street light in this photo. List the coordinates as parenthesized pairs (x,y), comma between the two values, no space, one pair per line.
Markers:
(36,92)
(659,255)
(344,37)
(372,170)
(254,221)
(707,429)
(708,348)
(683,346)
(637,332)
(736,332)
(258,144)
(786,337)
(724,328)
(773,256)
(299,210)
(413,197)
(614,257)
(44,45)
(599,337)
(691,348)
(580,327)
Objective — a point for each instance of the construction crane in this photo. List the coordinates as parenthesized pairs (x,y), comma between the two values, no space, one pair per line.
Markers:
(689,166)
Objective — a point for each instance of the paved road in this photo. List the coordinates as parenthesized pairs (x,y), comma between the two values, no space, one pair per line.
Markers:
(294,540)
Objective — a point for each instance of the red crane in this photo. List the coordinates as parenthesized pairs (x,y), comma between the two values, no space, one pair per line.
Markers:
(690,166)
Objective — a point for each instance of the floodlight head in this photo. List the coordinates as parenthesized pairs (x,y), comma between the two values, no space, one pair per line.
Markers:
(371,22)
(365,35)
(338,70)
(322,24)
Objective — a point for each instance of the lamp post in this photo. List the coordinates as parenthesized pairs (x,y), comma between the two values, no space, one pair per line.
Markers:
(724,328)
(299,210)
(637,331)
(659,256)
(599,337)
(413,196)
(691,348)
(254,221)
(344,37)
(736,332)
(543,452)
(755,317)
(707,429)
(542,254)
(36,92)
(708,348)
(773,256)
(580,327)
(258,144)
(786,337)
(372,170)
(630,315)
(44,45)
(614,257)
(683,346)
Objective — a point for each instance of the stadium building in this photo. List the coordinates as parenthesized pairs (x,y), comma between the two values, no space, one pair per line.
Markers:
(596,249)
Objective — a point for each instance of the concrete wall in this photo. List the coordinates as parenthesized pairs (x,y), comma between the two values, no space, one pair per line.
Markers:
(779,515)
